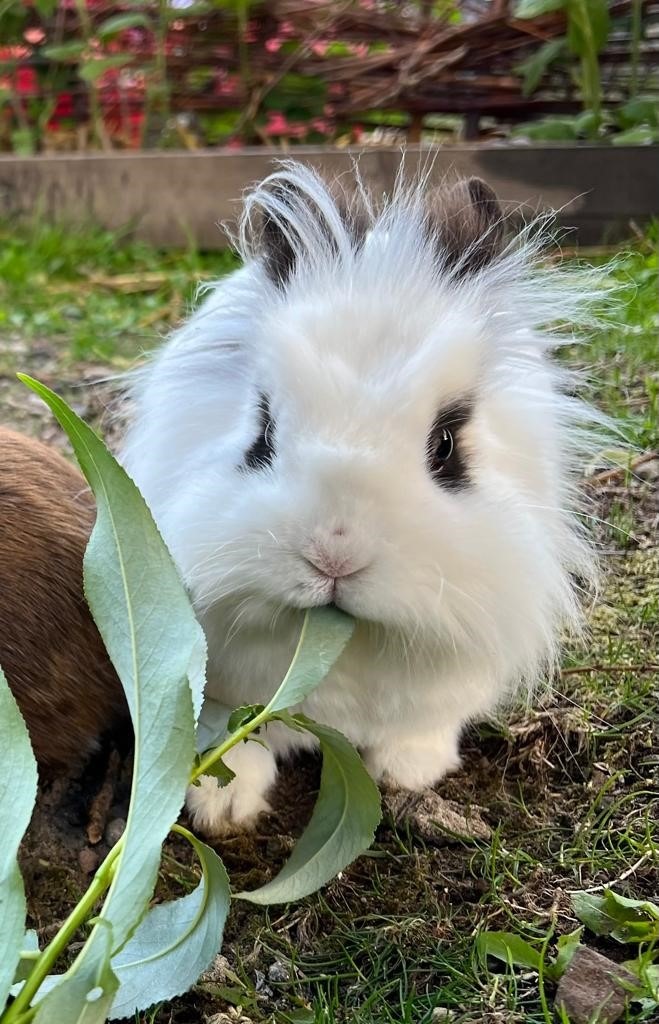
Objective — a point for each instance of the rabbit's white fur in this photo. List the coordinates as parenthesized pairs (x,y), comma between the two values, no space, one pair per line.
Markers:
(460,594)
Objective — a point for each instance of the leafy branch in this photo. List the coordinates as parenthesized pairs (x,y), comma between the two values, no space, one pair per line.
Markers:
(135,955)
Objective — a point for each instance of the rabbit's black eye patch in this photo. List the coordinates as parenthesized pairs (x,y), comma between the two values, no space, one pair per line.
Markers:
(445,455)
(262,451)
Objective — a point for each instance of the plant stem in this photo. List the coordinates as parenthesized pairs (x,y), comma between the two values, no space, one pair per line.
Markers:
(100,883)
(87,28)
(637,29)
(157,109)
(231,741)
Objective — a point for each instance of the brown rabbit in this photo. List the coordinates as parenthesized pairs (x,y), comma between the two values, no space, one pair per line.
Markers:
(50,650)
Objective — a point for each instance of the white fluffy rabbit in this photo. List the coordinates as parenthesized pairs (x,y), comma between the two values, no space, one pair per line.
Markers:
(366,413)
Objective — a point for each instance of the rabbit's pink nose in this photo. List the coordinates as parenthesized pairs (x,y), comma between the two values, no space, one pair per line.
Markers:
(332,566)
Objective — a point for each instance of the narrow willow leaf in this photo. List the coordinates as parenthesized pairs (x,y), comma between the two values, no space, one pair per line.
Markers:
(175,942)
(28,957)
(157,647)
(535,66)
(84,994)
(342,825)
(64,51)
(120,22)
(92,70)
(325,633)
(18,790)
(508,947)
(212,724)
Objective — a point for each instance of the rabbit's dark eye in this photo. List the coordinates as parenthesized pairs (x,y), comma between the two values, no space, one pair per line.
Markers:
(262,451)
(444,448)
(445,456)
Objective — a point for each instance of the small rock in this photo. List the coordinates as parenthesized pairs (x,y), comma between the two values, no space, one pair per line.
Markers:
(430,816)
(594,988)
(218,973)
(279,972)
(234,1016)
(260,985)
(441,1013)
(648,470)
(89,860)
(114,830)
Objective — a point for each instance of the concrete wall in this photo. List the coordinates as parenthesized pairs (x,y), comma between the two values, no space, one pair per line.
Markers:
(172,198)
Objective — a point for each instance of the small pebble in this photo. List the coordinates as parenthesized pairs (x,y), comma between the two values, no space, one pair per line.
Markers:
(279,972)
(260,985)
(114,830)
(648,470)
(89,860)
(594,988)
(216,974)
(441,1013)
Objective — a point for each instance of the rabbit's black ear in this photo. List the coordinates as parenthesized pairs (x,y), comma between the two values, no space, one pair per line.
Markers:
(468,222)
(297,224)
(278,238)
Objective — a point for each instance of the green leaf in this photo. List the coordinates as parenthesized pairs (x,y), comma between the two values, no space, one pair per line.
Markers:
(587,26)
(325,633)
(535,66)
(92,70)
(46,8)
(550,129)
(241,716)
(586,124)
(590,909)
(508,947)
(624,919)
(28,957)
(157,647)
(641,135)
(175,942)
(642,110)
(84,994)
(18,790)
(64,51)
(534,8)
(342,825)
(567,947)
(221,771)
(120,22)
(212,725)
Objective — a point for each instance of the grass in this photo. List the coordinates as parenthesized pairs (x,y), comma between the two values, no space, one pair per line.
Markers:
(100,295)
(570,787)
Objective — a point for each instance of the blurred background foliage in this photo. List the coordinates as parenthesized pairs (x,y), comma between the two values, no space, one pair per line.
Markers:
(100,74)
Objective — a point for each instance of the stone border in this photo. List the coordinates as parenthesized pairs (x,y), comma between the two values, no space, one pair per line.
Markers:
(177,198)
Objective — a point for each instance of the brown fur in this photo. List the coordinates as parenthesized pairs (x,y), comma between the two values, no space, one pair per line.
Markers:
(50,650)
(469,223)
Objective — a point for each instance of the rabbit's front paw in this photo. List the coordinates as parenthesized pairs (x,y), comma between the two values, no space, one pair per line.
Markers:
(415,763)
(216,810)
